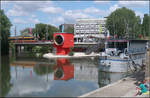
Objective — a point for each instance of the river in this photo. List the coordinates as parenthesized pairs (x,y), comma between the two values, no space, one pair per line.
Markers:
(26,76)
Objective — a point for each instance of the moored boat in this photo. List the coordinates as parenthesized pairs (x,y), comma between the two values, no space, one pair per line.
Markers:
(123,55)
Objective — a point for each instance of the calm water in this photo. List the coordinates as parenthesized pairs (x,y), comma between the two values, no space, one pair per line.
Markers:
(22,76)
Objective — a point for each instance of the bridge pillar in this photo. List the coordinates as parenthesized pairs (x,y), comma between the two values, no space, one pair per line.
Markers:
(16,48)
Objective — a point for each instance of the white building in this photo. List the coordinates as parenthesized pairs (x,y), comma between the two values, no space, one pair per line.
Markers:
(84,29)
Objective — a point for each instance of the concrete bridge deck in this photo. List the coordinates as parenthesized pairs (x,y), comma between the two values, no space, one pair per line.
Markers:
(76,44)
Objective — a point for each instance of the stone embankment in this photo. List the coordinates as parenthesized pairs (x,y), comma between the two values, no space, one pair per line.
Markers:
(121,88)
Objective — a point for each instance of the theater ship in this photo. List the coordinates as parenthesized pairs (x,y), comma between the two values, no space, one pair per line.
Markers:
(123,55)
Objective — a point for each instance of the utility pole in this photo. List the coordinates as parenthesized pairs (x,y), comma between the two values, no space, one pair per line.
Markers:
(47,32)
(15,35)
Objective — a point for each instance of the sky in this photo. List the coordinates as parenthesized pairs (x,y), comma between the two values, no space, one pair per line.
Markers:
(24,14)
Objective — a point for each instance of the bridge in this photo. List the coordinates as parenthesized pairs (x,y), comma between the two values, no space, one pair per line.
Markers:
(76,44)
(22,41)
(30,41)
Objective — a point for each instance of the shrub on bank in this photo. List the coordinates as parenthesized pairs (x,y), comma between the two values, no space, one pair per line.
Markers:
(38,51)
(71,53)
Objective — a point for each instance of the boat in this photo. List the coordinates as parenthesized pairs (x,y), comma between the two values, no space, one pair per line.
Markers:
(123,55)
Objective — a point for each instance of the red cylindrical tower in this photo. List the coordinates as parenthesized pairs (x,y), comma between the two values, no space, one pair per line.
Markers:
(63,42)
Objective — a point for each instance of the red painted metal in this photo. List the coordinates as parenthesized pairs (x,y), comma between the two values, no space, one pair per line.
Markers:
(64,44)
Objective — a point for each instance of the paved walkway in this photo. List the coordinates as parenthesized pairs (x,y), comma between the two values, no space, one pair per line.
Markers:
(122,88)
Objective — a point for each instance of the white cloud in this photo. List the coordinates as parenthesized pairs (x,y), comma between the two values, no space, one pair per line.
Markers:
(101,2)
(33,16)
(133,3)
(27,21)
(19,21)
(113,8)
(52,10)
(96,11)
(76,14)
(91,10)
(17,11)
(71,15)
(25,8)
(57,20)
(60,19)
(33,21)
(139,14)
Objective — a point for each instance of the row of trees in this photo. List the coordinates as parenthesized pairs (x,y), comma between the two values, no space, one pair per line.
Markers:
(124,23)
(44,31)
(41,31)
(5,25)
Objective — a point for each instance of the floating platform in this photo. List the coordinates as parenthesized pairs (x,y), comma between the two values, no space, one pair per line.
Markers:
(76,55)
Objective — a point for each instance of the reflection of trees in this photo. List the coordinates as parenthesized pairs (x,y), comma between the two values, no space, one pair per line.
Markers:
(86,60)
(42,69)
(5,78)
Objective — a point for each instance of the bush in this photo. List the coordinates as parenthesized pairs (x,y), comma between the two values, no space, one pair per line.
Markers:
(71,53)
(12,47)
(38,51)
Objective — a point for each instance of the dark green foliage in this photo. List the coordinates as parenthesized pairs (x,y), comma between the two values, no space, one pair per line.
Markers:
(41,50)
(69,30)
(123,22)
(42,29)
(71,53)
(26,32)
(5,25)
(145,25)
(12,47)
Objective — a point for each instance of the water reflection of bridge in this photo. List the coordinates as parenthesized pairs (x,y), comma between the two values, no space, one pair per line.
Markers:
(24,63)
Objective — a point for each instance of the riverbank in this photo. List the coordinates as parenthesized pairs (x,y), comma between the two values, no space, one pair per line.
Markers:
(123,88)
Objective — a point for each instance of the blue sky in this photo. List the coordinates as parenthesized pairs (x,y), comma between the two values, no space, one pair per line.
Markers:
(23,14)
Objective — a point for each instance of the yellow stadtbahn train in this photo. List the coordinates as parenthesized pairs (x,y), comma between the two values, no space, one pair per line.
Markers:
(20,39)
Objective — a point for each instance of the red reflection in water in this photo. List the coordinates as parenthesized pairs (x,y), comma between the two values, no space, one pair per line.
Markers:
(64,70)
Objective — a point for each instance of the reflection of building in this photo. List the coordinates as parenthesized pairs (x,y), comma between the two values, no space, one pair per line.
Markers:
(89,27)
(85,70)
(84,73)
(24,63)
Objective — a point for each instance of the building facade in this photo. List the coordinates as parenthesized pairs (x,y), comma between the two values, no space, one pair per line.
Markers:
(85,29)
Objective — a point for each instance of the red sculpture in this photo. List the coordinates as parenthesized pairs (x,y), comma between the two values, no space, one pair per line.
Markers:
(63,42)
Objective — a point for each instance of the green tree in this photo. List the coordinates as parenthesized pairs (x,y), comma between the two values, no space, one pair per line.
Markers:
(137,27)
(69,30)
(145,25)
(5,25)
(42,29)
(122,22)
(26,32)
